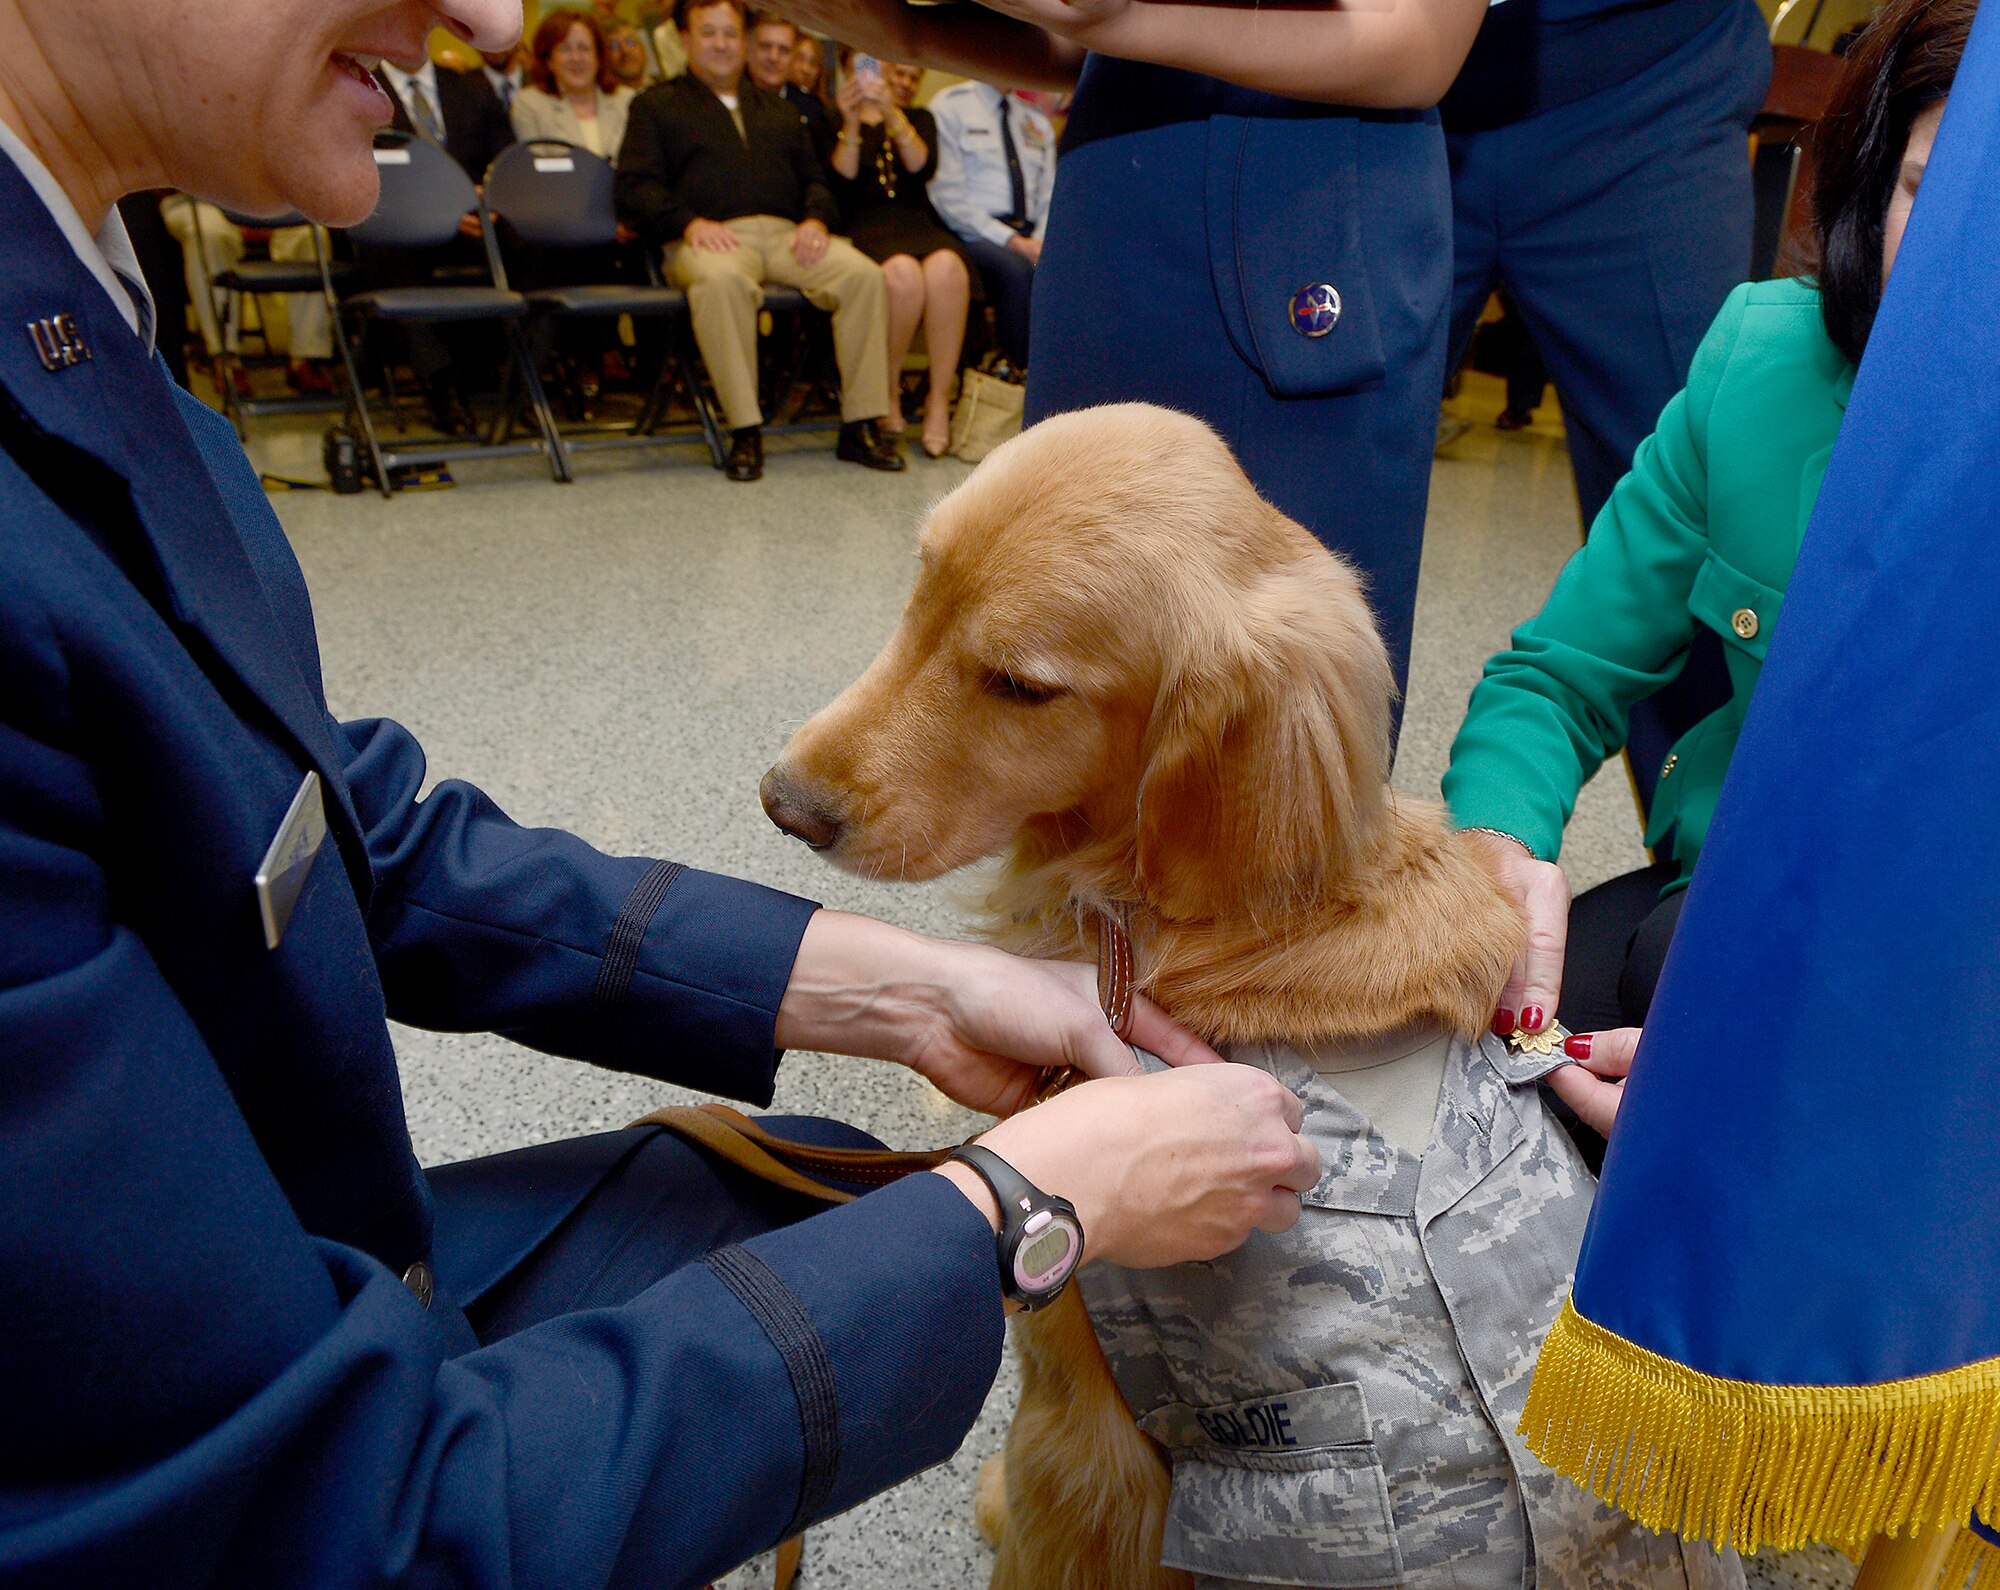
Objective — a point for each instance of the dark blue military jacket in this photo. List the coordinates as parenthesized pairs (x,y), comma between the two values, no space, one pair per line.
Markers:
(213,1373)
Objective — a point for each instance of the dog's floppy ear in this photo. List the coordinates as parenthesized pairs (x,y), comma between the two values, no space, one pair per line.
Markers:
(1268,748)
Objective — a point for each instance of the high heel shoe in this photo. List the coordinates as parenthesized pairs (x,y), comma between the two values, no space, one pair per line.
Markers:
(937,432)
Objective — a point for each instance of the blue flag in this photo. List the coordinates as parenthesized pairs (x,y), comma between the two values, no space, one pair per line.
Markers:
(1785,1324)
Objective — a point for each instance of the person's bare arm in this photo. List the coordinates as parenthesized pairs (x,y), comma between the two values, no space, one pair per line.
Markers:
(1381,54)
(966,39)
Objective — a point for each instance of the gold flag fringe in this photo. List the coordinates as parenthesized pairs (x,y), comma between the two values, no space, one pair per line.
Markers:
(1748,1465)
(1974,1564)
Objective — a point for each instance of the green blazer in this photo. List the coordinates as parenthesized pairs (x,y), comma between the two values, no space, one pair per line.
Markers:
(1703,531)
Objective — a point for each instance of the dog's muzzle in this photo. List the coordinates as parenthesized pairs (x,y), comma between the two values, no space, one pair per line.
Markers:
(797,811)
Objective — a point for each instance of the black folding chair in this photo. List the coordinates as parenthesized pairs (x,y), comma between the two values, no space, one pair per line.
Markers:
(556,198)
(257,278)
(424,193)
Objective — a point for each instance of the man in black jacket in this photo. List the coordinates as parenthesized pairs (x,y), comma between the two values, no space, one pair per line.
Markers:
(460,112)
(723,176)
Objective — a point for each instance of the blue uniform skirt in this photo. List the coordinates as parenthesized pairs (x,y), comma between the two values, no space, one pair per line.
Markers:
(1189,217)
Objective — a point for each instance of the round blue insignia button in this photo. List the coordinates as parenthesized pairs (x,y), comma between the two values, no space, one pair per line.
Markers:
(1315,309)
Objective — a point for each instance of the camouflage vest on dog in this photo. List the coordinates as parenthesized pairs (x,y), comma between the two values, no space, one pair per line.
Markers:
(1340,1402)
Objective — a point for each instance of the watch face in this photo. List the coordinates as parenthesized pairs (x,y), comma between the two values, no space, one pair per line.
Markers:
(1050,1246)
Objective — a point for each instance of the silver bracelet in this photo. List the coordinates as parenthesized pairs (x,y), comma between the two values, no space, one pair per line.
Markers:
(1512,839)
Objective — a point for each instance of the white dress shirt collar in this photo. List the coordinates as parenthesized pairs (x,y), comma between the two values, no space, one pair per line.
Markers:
(108,256)
(426,79)
(425,75)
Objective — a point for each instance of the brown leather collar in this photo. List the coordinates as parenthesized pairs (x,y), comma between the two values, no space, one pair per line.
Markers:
(1114,973)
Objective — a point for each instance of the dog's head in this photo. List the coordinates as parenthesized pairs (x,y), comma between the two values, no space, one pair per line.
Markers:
(1114,646)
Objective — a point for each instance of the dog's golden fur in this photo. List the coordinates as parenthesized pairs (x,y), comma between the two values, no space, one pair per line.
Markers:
(1154,694)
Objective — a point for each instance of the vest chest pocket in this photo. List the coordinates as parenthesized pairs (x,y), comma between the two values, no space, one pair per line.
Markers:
(1282,1490)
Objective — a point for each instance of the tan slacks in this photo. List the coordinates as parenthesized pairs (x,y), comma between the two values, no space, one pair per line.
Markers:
(725,291)
(309,334)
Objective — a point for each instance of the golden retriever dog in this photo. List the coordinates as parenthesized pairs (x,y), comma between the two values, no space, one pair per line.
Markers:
(1154,696)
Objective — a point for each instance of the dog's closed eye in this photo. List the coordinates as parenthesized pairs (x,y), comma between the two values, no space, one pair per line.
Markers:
(1023,692)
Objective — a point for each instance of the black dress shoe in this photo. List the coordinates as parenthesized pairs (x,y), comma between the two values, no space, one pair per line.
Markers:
(861,443)
(746,454)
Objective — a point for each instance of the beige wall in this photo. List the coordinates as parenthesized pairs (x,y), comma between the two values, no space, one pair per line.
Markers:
(1835,18)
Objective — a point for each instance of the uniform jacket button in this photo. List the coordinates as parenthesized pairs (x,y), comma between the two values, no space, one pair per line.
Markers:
(421,1282)
(1315,308)
(1744,622)
(1666,767)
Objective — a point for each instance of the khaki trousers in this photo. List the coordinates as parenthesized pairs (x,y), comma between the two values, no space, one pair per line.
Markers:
(724,294)
(309,333)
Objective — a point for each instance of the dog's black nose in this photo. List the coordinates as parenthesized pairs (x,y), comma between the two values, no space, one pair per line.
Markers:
(797,812)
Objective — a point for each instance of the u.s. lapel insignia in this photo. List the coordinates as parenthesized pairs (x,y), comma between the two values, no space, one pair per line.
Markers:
(1544,1043)
(58,342)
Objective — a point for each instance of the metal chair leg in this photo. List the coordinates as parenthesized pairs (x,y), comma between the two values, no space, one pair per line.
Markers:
(350,361)
(711,428)
(538,400)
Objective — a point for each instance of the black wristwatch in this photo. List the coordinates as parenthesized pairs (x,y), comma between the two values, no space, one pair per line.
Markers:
(1041,1240)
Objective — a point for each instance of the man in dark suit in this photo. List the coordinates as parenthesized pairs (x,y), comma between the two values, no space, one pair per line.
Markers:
(461,112)
(723,177)
(772,41)
(457,109)
(248,1339)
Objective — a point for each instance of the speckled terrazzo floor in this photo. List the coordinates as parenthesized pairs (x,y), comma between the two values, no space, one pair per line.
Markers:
(623,657)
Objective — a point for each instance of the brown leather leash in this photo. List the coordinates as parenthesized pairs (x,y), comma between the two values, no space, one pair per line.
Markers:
(819,1172)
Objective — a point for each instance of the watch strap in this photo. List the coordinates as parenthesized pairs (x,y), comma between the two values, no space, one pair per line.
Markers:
(1018,1197)
(1020,1200)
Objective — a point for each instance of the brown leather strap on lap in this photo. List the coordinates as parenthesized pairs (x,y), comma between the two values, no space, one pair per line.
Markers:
(800,1167)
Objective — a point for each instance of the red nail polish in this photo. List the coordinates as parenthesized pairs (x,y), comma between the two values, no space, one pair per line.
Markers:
(1577,1046)
(1531,1018)
(1503,1022)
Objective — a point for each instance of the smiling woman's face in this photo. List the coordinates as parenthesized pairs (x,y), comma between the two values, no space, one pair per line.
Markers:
(574,61)
(262,105)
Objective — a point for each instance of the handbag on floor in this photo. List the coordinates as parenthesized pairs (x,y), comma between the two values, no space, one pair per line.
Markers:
(988,412)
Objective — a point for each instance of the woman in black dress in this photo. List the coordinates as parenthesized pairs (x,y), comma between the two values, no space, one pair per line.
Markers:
(882,160)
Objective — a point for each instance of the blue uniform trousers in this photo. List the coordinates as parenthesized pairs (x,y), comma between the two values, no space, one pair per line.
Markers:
(1186,215)
(654,1204)
(1618,223)
(1009,277)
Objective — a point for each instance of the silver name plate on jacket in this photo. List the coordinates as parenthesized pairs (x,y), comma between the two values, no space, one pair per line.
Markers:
(287,863)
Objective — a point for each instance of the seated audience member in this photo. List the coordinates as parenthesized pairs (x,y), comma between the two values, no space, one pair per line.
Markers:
(773,41)
(630,61)
(505,72)
(571,93)
(808,69)
(461,113)
(459,110)
(723,177)
(1703,531)
(311,332)
(996,165)
(885,154)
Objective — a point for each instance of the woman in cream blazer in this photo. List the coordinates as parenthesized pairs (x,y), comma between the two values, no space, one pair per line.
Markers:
(572,94)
